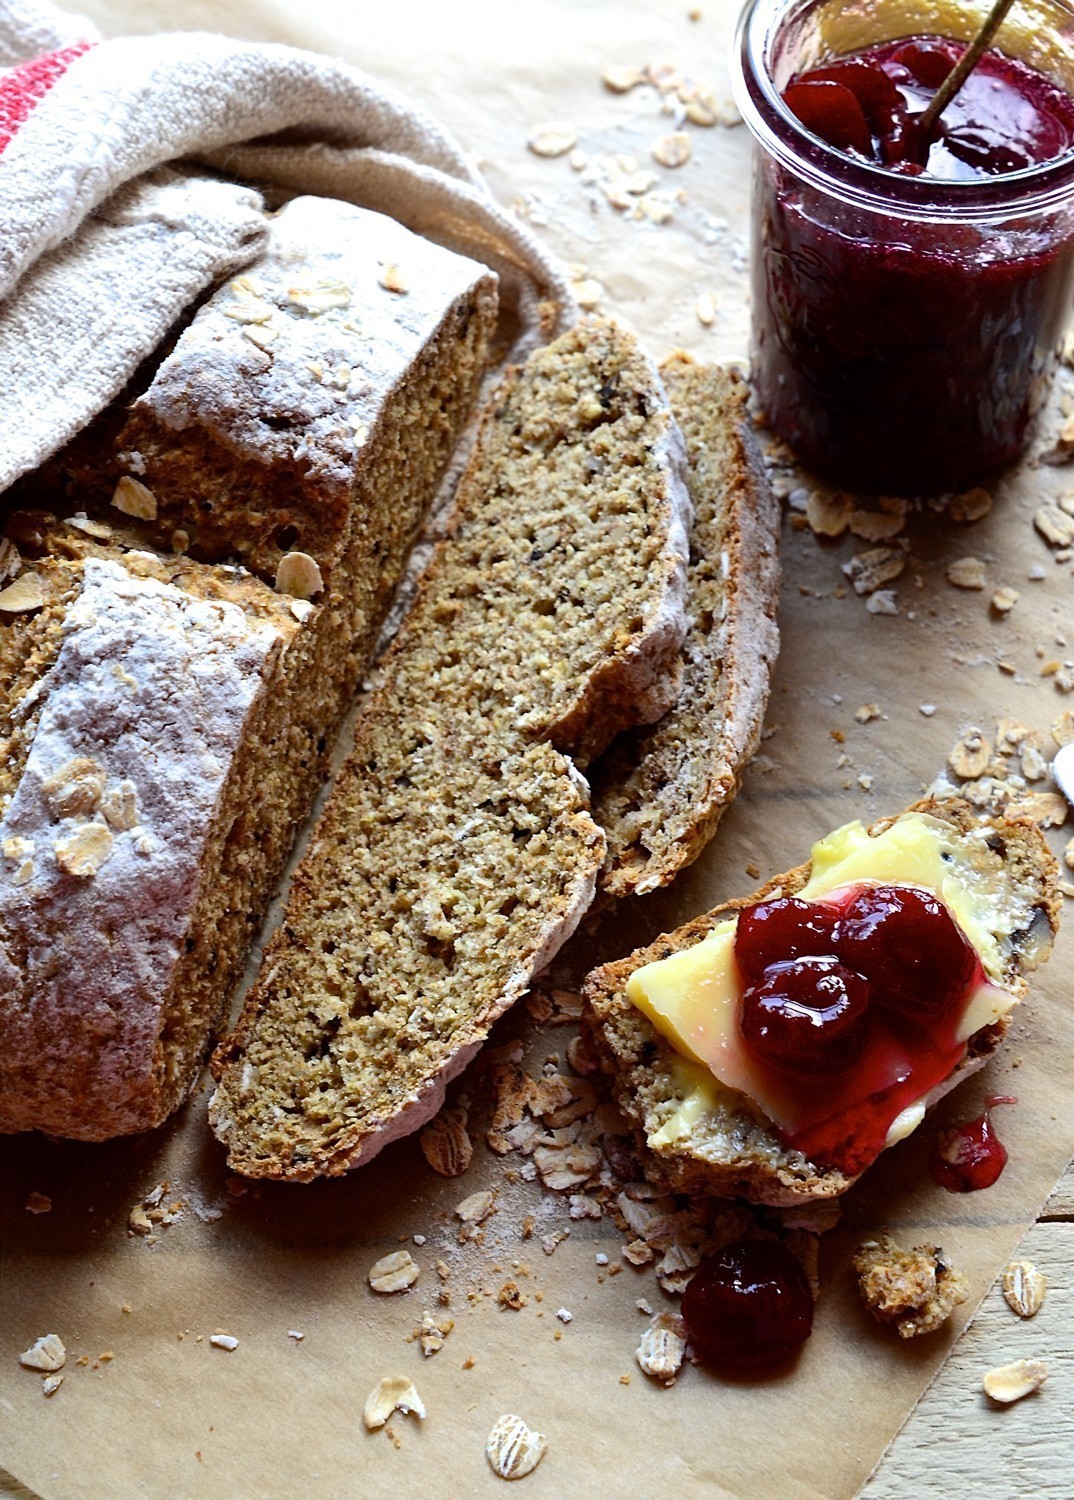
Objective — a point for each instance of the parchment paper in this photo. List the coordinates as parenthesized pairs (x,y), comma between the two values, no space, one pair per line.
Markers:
(169,1415)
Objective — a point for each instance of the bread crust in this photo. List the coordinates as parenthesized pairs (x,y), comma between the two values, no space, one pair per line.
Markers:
(751,1162)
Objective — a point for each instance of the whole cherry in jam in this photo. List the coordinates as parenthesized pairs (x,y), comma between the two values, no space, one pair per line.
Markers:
(968,1157)
(806,1015)
(906,943)
(774,931)
(1005,117)
(748,1307)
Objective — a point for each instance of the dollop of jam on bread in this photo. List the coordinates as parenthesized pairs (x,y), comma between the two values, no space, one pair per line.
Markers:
(839,1010)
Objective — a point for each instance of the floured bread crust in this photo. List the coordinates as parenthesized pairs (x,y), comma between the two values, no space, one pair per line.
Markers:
(734,1149)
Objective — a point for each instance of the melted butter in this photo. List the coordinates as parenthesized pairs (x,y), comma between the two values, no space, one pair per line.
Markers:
(692,996)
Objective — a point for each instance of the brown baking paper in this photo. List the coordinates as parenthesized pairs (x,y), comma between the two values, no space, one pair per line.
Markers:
(148,1405)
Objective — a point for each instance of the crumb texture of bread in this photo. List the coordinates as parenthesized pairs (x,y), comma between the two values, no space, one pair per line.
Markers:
(733,1148)
(457,852)
(659,791)
(306,405)
(915,1290)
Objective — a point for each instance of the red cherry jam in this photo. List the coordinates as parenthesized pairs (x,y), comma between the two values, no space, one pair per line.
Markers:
(968,1157)
(748,1307)
(853,1003)
(907,304)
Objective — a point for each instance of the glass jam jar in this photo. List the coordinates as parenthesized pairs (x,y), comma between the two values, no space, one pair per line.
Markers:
(905,328)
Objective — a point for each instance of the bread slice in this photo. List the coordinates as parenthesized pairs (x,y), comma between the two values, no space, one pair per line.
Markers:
(659,791)
(733,1149)
(456,852)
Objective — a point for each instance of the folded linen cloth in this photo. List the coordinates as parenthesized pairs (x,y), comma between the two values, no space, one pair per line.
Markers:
(108,231)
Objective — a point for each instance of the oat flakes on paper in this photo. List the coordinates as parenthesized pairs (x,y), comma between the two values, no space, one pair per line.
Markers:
(393,1393)
(513,1449)
(1023,1288)
(394,1273)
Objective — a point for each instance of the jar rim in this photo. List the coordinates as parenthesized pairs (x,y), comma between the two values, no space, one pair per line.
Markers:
(782,135)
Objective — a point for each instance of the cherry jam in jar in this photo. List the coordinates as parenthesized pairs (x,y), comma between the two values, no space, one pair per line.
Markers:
(907,303)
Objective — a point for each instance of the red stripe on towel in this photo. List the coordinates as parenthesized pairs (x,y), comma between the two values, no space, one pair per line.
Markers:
(22,87)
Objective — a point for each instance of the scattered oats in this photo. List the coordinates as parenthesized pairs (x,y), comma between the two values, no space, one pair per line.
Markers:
(639,1253)
(552,139)
(587,293)
(865,781)
(1004,600)
(76,789)
(394,1273)
(394,1393)
(46,1354)
(1009,1383)
(1063,728)
(969,756)
(1054,525)
(566,1166)
(119,806)
(705,308)
(24,595)
(81,522)
(973,505)
(10,561)
(620,80)
(1068,854)
(38,1203)
(600,1258)
(1034,766)
(446,1144)
(299,575)
(476,1207)
(1046,809)
(882,602)
(673,149)
(512,1449)
(663,1345)
(828,512)
(582,1206)
(1037,574)
(1023,1288)
(867,712)
(564,1316)
(133,498)
(248,308)
(293,1333)
(224,1341)
(568,1004)
(321,297)
(928,709)
(549,1242)
(867,571)
(84,850)
(916,1289)
(966,573)
(877,526)
(301,609)
(51,1384)
(261,337)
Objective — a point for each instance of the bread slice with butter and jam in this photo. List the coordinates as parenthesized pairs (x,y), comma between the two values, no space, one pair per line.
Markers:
(773,1047)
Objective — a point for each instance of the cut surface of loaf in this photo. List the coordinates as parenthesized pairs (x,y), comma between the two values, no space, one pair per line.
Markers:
(329,430)
(456,852)
(659,791)
(732,1147)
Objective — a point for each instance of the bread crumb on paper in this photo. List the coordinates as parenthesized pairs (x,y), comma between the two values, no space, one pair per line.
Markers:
(916,1290)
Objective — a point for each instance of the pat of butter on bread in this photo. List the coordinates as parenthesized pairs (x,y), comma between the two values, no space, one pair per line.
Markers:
(663,1022)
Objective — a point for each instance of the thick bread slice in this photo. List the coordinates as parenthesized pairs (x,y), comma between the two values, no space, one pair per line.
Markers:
(734,1150)
(457,853)
(660,790)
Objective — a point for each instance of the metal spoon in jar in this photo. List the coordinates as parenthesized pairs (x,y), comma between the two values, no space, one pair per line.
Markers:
(1063,771)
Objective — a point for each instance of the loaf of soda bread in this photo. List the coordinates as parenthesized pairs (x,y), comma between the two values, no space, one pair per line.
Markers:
(733,1149)
(659,791)
(298,427)
(457,852)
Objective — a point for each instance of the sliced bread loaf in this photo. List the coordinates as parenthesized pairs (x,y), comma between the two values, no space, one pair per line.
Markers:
(727,1145)
(456,852)
(301,422)
(659,791)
